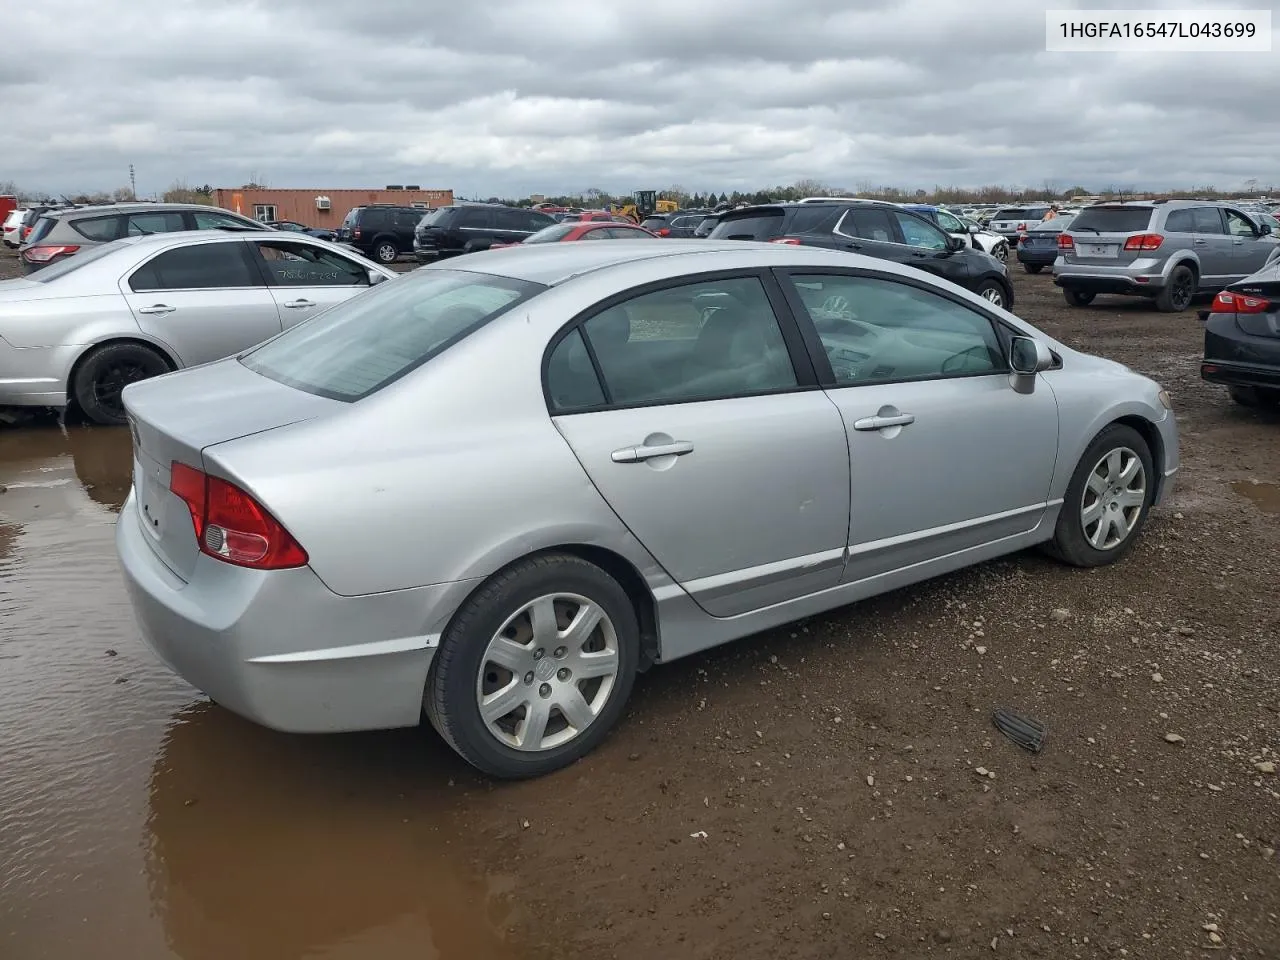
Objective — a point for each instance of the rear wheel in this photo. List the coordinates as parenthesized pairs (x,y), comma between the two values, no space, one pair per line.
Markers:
(535,667)
(385,251)
(1078,298)
(1033,267)
(993,292)
(1107,500)
(1177,294)
(106,371)
(1254,396)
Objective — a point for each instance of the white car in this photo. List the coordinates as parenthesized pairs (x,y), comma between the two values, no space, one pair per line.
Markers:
(80,330)
(13,227)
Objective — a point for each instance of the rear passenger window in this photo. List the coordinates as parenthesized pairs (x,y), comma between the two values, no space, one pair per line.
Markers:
(201,266)
(572,383)
(101,229)
(699,341)
(1207,220)
(141,224)
(1180,221)
(869,225)
(877,331)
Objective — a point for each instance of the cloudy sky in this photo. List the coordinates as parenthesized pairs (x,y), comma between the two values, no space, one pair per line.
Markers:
(509,97)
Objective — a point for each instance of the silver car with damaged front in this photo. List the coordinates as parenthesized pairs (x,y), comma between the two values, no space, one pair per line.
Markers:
(494,490)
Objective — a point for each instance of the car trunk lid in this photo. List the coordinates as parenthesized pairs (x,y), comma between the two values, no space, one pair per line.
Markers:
(1256,304)
(177,416)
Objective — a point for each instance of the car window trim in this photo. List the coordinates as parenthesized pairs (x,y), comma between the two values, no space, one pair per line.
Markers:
(801,362)
(247,255)
(818,354)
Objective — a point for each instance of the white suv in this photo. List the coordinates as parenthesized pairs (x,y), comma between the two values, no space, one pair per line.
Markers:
(13,227)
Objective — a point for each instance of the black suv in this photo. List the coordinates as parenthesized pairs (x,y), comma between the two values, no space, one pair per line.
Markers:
(381,231)
(873,229)
(466,228)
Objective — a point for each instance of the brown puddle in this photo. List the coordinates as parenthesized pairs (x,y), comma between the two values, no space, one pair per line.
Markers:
(138,820)
(1265,496)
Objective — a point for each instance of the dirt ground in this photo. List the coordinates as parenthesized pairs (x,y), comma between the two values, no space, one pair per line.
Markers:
(814,792)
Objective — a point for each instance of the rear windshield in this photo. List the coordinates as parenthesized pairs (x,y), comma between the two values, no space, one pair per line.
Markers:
(41,229)
(552,234)
(1112,219)
(653,223)
(60,268)
(762,225)
(375,338)
(1056,225)
(1010,213)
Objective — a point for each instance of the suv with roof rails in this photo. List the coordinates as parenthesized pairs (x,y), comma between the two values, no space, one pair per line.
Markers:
(381,231)
(60,233)
(1165,250)
(873,228)
(472,227)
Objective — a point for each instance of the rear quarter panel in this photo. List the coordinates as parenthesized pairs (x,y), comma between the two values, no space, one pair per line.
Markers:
(61,321)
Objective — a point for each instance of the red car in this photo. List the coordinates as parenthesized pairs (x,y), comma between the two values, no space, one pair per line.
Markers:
(588,230)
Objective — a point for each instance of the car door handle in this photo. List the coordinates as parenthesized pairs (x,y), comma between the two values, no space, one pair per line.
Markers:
(639,454)
(1237,242)
(1201,243)
(157,308)
(298,304)
(879,423)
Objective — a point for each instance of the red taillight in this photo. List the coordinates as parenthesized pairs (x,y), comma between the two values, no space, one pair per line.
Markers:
(232,526)
(1229,301)
(1022,238)
(355,234)
(46,253)
(1065,242)
(664,232)
(791,240)
(1144,241)
(26,232)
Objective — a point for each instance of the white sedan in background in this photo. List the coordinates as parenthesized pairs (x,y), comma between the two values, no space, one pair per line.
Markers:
(78,331)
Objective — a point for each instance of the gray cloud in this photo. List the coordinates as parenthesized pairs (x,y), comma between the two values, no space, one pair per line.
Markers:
(511,96)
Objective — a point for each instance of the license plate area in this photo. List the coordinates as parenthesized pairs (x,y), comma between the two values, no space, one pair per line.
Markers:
(150,484)
(1100,251)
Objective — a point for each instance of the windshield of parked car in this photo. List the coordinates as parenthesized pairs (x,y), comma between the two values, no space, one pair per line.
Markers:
(1056,225)
(553,234)
(60,268)
(1113,219)
(360,346)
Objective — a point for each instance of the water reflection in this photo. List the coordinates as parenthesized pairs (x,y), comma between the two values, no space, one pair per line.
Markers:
(268,846)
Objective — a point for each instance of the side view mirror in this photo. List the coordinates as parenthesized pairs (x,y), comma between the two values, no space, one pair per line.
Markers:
(1027,357)
(1264,229)
(955,243)
(376,278)
(974,228)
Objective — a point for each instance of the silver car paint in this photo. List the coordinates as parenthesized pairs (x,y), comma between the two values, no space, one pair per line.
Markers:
(45,328)
(456,470)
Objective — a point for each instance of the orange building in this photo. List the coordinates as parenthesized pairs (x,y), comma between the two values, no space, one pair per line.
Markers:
(321,208)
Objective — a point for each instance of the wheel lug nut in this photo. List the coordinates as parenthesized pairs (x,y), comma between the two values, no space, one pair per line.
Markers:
(528,677)
(560,652)
(539,654)
(545,690)
(563,673)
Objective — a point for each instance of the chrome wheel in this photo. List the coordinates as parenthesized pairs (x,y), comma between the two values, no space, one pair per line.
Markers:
(1114,498)
(387,253)
(1001,252)
(993,294)
(548,672)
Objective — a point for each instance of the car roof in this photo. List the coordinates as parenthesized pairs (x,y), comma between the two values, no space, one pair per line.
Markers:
(554,263)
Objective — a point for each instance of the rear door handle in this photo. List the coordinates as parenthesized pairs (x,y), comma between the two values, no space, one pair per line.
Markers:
(157,308)
(298,304)
(1201,243)
(638,454)
(1237,242)
(879,423)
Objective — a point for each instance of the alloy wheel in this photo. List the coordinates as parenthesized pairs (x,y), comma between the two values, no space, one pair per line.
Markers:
(1114,498)
(994,295)
(112,380)
(548,672)
(1001,252)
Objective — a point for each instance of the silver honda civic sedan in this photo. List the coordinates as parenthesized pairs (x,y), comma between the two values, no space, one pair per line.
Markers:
(494,490)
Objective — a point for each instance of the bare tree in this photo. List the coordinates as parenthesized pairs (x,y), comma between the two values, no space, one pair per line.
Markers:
(256,181)
(812,188)
(123,194)
(1049,187)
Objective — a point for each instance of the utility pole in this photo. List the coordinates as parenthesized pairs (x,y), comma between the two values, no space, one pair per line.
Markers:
(133,184)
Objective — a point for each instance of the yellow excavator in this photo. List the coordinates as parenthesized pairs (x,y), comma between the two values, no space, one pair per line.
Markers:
(645,204)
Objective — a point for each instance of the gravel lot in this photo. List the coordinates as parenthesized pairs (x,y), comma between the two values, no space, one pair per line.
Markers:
(816,791)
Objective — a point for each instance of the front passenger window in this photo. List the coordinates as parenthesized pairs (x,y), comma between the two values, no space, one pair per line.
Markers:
(1238,225)
(302,265)
(917,233)
(883,331)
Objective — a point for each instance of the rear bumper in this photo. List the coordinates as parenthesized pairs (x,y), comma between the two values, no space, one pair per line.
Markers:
(1043,258)
(1236,358)
(279,647)
(34,376)
(1141,278)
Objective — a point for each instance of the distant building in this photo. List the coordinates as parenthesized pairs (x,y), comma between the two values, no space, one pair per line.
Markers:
(320,208)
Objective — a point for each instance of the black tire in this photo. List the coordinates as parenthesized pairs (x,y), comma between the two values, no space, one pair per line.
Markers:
(1070,543)
(1176,295)
(450,697)
(1033,267)
(106,371)
(1078,298)
(1001,252)
(1254,396)
(385,251)
(994,291)
(475,246)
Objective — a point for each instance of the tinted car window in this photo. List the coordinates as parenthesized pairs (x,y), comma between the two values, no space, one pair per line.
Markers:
(706,227)
(626,233)
(474,217)
(363,344)
(303,265)
(754,226)
(872,223)
(653,223)
(949,223)
(102,229)
(40,229)
(141,224)
(1207,220)
(353,215)
(407,219)
(536,221)
(698,341)
(1010,213)
(572,383)
(875,331)
(810,218)
(438,218)
(1113,219)
(1180,221)
(200,266)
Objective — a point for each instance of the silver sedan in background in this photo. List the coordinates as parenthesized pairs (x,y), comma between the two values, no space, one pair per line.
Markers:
(82,328)
(494,490)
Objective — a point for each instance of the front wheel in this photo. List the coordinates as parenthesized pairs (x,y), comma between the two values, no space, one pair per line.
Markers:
(535,667)
(1077,298)
(993,292)
(386,252)
(1033,267)
(1107,500)
(104,373)
(1001,252)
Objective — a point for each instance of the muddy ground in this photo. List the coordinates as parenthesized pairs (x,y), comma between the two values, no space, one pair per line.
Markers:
(811,792)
